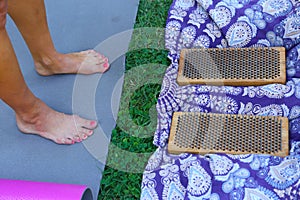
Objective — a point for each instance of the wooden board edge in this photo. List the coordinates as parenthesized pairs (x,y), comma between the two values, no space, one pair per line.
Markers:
(174,149)
(282,63)
(233,82)
(285,136)
(174,124)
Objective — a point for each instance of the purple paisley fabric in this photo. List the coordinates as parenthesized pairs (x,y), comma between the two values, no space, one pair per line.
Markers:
(221,24)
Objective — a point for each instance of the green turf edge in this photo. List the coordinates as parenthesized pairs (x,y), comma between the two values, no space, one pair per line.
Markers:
(123,174)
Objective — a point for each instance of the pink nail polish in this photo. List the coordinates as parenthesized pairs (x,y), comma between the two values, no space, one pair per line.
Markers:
(105,65)
(93,123)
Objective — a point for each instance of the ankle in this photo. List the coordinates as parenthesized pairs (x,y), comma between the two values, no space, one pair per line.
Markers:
(47,59)
(30,114)
(45,63)
(31,121)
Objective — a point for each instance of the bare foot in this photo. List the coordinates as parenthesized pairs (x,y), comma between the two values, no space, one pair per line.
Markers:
(85,62)
(56,126)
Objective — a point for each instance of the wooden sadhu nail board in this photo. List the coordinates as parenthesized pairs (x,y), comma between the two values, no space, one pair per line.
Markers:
(203,133)
(232,66)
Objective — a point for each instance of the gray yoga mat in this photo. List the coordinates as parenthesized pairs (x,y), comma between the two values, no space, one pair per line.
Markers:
(75,25)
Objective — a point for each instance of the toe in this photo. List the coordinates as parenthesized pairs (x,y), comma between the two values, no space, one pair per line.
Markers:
(103,67)
(84,123)
(93,62)
(69,141)
(106,66)
(64,141)
(103,61)
(84,136)
(102,58)
(85,131)
(77,139)
(90,124)
(97,55)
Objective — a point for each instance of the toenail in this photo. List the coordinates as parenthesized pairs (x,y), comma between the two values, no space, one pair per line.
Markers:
(105,65)
(93,123)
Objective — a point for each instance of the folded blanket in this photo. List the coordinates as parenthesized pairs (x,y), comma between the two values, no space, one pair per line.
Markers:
(228,23)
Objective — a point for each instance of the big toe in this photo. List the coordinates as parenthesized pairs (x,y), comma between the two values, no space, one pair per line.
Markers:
(85,123)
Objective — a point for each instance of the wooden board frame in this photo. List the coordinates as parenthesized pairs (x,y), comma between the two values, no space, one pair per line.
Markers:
(176,148)
(237,81)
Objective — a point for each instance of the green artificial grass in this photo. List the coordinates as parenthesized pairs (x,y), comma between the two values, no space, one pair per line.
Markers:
(131,142)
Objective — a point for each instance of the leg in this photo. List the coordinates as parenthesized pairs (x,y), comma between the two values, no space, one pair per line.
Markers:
(30,17)
(33,116)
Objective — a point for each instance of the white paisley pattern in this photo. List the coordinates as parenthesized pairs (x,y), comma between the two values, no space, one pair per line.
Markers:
(221,24)
(220,165)
(198,16)
(221,16)
(276,7)
(239,34)
(292,26)
(199,180)
(202,41)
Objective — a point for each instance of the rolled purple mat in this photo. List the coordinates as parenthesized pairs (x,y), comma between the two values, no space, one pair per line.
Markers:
(29,190)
